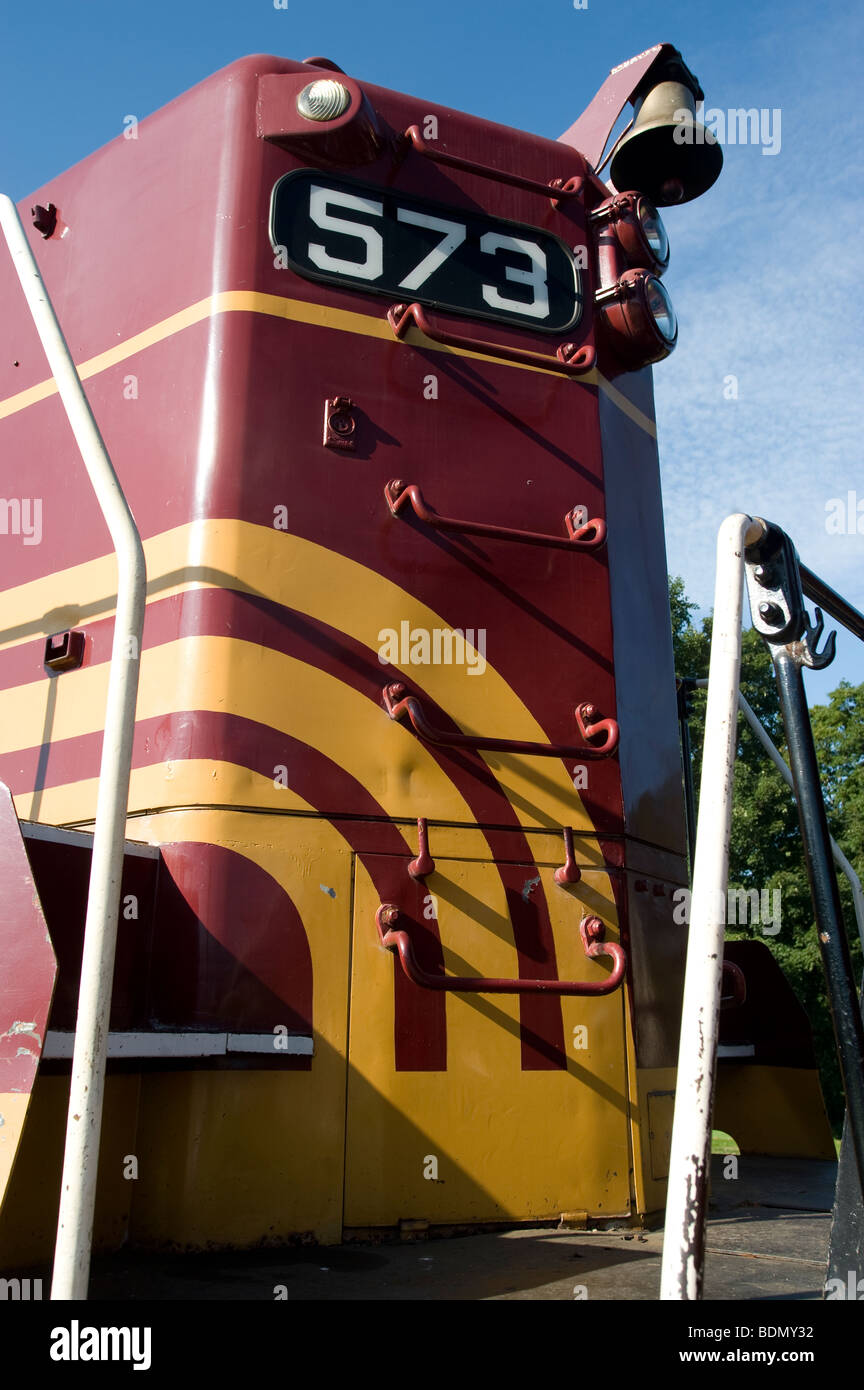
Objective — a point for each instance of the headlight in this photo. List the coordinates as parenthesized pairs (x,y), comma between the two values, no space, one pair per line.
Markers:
(635,224)
(654,231)
(637,319)
(661,308)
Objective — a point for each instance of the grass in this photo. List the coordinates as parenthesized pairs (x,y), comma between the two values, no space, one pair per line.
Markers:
(724,1143)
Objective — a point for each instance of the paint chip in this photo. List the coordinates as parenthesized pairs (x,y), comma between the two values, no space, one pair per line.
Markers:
(530,885)
(331,892)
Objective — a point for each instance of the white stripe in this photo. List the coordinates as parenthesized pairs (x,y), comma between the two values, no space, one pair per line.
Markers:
(60,1045)
(280,1044)
(35,830)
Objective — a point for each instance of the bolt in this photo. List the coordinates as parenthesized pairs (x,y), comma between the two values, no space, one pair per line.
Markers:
(388,914)
(592,929)
(397,486)
(771,613)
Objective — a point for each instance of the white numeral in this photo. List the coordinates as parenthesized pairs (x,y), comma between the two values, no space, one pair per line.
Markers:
(373,265)
(535,277)
(454,235)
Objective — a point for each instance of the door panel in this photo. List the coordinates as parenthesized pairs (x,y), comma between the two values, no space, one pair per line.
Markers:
(484,1138)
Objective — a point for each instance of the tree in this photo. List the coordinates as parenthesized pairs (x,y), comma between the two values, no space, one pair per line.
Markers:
(765,850)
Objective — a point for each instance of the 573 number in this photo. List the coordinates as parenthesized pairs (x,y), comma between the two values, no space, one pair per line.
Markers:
(400,245)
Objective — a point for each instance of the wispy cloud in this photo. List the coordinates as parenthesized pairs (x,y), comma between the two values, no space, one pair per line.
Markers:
(765,275)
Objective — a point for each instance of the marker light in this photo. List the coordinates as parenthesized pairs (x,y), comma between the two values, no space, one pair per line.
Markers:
(637,318)
(323,100)
(634,223)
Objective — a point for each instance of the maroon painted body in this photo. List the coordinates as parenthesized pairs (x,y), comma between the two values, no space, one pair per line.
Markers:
(225,422)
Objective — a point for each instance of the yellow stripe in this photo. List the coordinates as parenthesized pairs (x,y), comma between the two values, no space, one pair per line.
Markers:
(13,1113)
(296,311)
(173,566)
(228,676)
(335,590)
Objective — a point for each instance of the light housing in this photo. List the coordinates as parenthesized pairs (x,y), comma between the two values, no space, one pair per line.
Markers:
(637,318)
(634,223)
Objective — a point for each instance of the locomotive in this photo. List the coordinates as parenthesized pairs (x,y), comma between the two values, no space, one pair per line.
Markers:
(396,946)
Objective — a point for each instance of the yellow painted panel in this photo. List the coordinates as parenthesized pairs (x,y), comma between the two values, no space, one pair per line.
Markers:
(13,1113)
(236,1157)
(28,1219)
(773,1110)
(507,1143)
(648,1121)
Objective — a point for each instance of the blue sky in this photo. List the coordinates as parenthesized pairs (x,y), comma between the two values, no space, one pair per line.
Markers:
(762,267)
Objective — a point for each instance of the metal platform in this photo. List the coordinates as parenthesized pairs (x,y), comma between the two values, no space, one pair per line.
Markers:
(767,1240)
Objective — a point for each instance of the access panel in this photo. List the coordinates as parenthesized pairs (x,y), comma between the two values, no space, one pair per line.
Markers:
(468,1107)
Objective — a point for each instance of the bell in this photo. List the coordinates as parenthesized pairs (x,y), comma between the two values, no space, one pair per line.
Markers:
(666,154)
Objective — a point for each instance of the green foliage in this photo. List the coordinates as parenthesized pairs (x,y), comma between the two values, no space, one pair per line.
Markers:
(765,845)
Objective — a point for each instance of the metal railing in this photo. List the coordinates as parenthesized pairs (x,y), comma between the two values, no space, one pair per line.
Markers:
(84,1123)
(776,584)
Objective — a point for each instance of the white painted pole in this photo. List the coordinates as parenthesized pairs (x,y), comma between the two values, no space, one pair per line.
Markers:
(84,1123)
(782,767)
(689,1165)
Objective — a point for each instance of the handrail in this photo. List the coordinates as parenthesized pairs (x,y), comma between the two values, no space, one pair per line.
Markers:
(424,865)
(835,604)
(78,1189)
(776,585)
(397,704)
(591,930)
(683,1243)
(559,188)
(588,535)
(569,360)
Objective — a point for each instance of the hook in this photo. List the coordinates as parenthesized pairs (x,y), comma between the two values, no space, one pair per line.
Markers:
(809,642)
(424,863)
(569,871)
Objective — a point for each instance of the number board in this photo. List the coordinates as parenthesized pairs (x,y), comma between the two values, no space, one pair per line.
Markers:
(409,248)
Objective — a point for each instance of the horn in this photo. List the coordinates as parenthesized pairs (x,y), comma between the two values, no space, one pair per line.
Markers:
(667,154)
